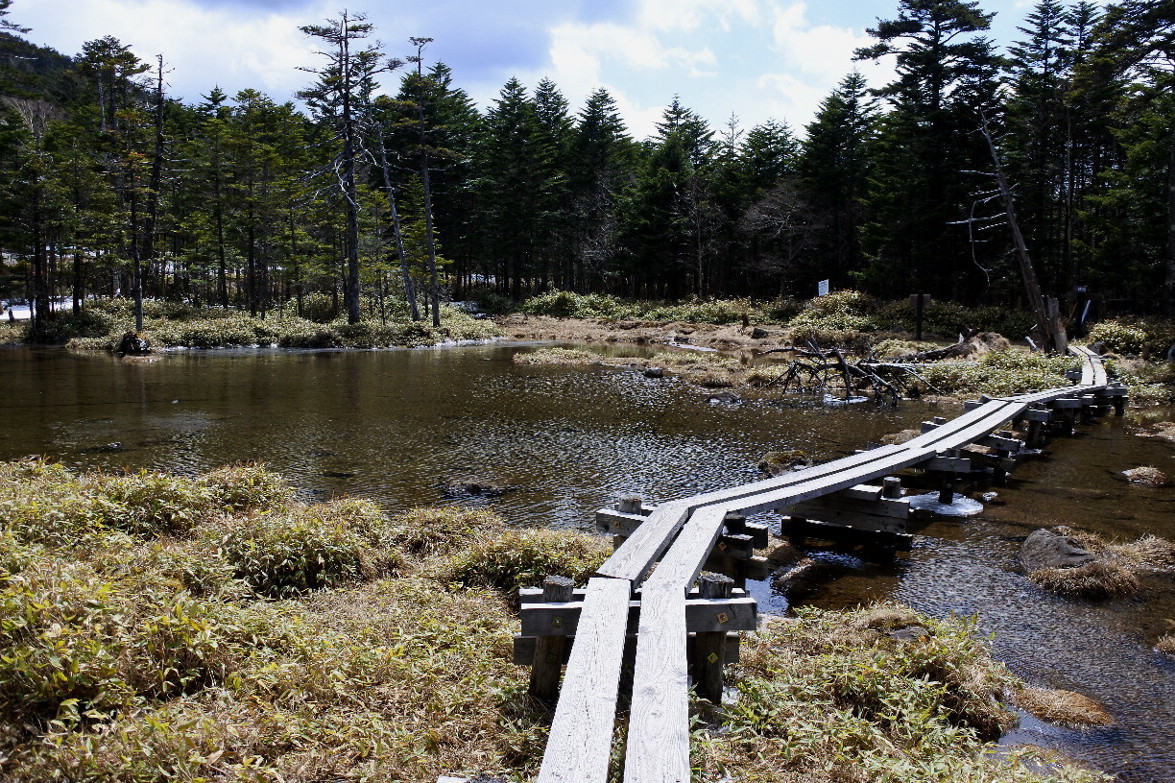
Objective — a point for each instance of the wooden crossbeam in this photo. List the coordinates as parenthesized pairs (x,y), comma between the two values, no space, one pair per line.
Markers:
(701,615)
(524,648)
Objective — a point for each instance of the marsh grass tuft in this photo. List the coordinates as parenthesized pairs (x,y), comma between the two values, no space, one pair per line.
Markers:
(1114,572)
(1064,708)
(1097,580)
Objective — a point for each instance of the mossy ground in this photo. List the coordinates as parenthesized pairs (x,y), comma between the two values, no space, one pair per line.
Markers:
(212,628)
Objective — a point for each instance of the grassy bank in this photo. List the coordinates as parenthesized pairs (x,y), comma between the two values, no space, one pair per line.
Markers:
(861,326)
(154,627)
(102,325)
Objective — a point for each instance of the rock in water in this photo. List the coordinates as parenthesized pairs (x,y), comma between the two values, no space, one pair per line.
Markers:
(132,344)
(1052,548)
(1147,477)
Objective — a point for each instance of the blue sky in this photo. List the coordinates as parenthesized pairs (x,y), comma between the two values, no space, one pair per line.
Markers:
(755,59)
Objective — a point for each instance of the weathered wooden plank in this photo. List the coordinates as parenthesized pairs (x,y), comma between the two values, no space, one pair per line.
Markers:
(841,533)
(580,741)
(793,478)
(658,729)
(618,523)
(534,595)
(636,556)
(861,492)
(823,485)
(681,564)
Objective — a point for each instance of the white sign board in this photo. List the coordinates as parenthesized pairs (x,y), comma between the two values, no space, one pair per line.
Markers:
(822,288)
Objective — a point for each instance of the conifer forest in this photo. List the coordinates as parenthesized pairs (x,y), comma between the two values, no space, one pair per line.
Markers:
(112,187)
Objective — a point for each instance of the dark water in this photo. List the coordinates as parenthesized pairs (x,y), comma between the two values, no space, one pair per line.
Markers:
(400,426)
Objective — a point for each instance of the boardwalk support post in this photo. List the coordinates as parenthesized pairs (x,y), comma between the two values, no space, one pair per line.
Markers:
(550,651)
(710,648)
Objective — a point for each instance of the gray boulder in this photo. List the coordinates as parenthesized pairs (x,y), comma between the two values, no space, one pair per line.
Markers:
(1053,548)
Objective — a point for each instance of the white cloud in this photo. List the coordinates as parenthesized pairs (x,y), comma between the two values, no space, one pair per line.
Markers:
(695,14)
(202,47)
(823,51)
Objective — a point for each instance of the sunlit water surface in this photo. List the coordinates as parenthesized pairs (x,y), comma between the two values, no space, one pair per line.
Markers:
(402,426)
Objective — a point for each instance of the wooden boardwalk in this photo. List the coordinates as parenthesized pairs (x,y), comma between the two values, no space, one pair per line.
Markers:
(661,553)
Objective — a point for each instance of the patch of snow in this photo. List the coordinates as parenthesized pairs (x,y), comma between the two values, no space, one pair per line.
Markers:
(960,505)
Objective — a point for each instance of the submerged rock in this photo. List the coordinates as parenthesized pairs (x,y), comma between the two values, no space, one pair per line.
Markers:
(802,579)
(1147,477)
(475,487)
(1061,563)
(776,463)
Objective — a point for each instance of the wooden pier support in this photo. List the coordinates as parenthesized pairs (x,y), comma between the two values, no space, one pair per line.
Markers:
(709,653)
(550,651)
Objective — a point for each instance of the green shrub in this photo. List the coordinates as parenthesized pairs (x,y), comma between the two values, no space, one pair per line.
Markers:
(566,304)
(840,311)
(152,504)
(247,487)
(45,503)
(317,307)
(999,373)
(76,647)
(64,326)
(844,690)
(521,558)
(704,311)
(489,301)
(1149,338)
(429,531)
(286,553)
(949,319)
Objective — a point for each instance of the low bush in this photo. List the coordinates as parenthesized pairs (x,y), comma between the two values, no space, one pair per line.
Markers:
(880,693)
(522,558)
(1146,337)
(489,301)
(151,504)
(77,647)
(840,311)
(247,487)
(999,373)
(428,531)
(317,307)
(293,551)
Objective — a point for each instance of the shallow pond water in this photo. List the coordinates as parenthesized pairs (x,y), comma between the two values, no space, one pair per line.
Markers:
(404,426)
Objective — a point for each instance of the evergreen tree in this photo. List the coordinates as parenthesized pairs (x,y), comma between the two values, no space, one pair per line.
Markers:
(834,170)
(1134,55)
(1040,138)
(602,166)
(945,75)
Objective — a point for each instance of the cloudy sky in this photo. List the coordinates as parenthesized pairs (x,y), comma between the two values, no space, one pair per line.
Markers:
(755,59)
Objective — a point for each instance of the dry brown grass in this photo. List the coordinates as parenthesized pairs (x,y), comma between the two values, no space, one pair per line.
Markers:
(1166,644)
(1114,574)
(1096,580)
(1150,551)
(1064,708)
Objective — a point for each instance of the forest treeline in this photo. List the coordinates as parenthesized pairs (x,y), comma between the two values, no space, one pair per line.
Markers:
(111,187)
